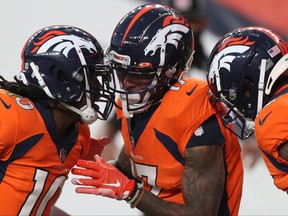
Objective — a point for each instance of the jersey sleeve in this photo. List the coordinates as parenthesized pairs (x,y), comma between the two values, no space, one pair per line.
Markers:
(9,127)
(271,130)
(209,133)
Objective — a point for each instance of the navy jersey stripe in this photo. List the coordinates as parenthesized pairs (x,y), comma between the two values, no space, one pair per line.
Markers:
(20,150)
(170,145)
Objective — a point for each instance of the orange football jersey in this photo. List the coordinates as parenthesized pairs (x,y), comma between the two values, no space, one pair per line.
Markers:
(157,152)
(32,172)
(271,132)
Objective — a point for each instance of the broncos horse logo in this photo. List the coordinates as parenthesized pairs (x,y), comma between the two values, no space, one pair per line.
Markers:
(61,42)
(227,54)
(170,34)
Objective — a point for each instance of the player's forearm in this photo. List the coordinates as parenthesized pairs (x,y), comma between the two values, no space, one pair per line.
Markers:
(152,205)
(123,164)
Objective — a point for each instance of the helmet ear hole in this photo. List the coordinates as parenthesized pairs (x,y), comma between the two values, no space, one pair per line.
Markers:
(246,93)
(248,85)
(59,74)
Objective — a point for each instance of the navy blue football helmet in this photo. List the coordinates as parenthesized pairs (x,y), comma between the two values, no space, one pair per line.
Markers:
(152,43)
(66,62)
(240,74)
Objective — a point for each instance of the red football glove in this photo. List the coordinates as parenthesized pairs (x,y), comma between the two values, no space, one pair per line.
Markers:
(96,147)
(105,179)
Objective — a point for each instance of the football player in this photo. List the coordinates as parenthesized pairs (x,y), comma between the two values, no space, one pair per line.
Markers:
(178,159)
(45,115)
(248,79)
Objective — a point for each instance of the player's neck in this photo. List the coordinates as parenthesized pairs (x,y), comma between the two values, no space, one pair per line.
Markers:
(63,121)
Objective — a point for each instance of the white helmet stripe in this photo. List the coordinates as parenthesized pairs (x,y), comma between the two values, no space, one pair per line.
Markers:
(261,85)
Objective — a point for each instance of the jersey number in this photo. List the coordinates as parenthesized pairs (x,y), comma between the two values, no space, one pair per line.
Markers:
(149,172)
(40,180)
(21,101)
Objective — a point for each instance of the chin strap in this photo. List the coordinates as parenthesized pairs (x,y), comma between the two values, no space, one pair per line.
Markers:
(125,109)
(88,115)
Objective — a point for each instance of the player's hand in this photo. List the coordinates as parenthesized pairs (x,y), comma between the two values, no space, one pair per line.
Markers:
(96,147)
(104,179)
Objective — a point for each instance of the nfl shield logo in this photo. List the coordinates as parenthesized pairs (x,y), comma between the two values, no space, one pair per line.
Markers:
(199,131)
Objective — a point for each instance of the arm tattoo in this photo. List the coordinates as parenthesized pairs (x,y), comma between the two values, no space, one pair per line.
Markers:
(204,177)
(202,185)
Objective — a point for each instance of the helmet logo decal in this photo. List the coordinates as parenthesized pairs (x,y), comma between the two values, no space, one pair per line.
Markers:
(170,34)
(61,42)
(227,53)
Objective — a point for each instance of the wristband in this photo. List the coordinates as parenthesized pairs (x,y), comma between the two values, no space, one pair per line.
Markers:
(138,199)
(135,193)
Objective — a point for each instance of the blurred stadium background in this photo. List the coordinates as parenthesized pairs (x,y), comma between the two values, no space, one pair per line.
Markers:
(19,19)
